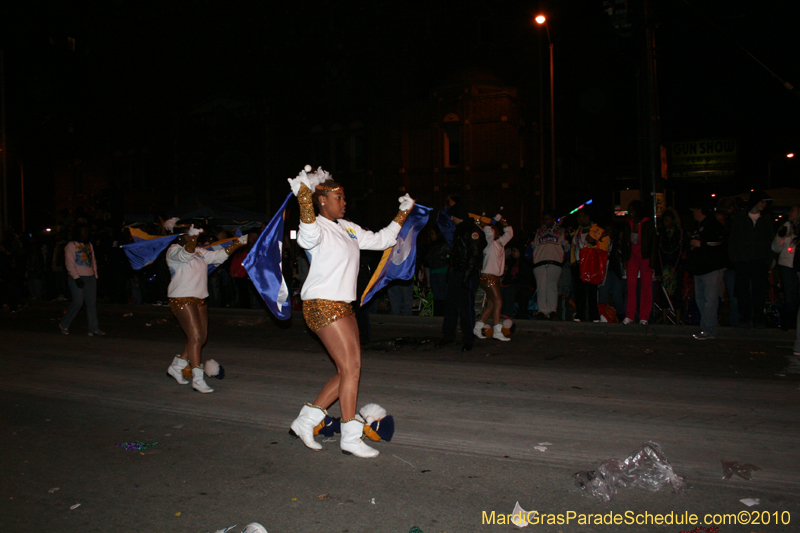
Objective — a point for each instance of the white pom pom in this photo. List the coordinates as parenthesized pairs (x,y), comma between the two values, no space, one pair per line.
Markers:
(169,225)
(372,412)
(507,323)
(211,368)
(307,168)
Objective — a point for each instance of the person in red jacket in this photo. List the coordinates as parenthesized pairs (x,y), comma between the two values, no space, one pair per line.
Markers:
(642,248)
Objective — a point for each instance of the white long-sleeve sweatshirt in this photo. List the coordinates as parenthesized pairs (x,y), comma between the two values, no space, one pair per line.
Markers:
(79,259)
(190,270)
(494,255)
(784,247)
(334,248)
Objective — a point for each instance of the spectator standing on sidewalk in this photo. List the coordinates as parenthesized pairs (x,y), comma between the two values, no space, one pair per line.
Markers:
(640,264)
(517,286)
(706,261)
(466,261)
(669,267)
(549,246)
(783,244)
(615,284)
(401,297)
(436,260)
(81,265)
(589,235)
(750,252)
(795,243)
(726,209)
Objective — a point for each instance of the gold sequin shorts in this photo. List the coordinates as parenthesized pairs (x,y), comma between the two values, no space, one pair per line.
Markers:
(177,304)
(489,280)
(320,313)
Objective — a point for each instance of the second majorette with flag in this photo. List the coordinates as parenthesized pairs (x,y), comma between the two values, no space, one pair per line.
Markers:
(188,289)
(334,246)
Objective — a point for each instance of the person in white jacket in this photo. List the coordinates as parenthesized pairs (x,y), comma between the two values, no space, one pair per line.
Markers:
(494,265)
(783,245)
(187,293)
(81,266)
(334,246)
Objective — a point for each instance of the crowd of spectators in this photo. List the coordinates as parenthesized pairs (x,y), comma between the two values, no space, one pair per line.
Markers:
(652,269)
(650,274)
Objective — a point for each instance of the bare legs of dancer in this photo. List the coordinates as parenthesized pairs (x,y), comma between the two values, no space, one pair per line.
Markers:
(493,306)
(342,342)
(193,320)
(194,323)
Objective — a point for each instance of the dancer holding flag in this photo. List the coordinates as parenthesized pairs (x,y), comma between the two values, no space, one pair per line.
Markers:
(187,293)
(334,245)
(494,264)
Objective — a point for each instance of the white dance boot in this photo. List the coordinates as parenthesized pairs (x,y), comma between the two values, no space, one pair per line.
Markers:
(176,370)
(303,426)
(498,333)
(478,330)
(352,443)
(199,382)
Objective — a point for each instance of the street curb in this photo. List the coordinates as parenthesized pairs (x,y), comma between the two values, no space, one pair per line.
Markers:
(771,335)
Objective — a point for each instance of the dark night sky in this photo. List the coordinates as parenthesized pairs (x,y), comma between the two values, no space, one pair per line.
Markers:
(137,64)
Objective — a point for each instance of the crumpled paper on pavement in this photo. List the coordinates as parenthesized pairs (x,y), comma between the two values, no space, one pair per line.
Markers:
(744,471)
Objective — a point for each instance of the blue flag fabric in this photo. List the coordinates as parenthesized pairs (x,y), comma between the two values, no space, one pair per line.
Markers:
(142,253)
(399,261)
(446,226)
(264,265)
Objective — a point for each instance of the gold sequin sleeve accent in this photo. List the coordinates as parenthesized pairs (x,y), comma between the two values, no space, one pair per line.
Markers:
(233,247)
(191,243)
(401,216)
(306,205)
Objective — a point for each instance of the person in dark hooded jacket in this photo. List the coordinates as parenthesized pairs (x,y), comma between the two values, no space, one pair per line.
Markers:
(466,261)
(750,252)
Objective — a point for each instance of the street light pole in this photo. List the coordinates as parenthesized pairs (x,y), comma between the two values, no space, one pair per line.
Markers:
(4,147)
(541,19)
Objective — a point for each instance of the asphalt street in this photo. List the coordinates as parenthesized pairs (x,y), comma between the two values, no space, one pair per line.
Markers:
(476,432)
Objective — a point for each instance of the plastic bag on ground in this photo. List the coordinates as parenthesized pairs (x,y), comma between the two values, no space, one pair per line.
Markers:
(646,467)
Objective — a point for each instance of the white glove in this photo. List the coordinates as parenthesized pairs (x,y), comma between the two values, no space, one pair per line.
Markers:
(301,179)
(169,225)
(195,231)
(243,239)
(406,202)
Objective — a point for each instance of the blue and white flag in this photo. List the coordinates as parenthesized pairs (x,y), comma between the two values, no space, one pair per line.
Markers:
(399,261)
(264,265)
(142,253)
